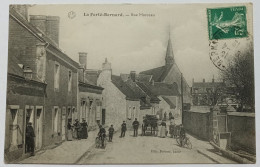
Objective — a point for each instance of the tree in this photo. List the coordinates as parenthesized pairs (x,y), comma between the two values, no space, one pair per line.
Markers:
(239,76)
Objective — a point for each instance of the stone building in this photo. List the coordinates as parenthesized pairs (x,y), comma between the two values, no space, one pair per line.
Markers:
(206,93)
(89,97)
(35,45)
(25,102)
(170,74)
(119,101)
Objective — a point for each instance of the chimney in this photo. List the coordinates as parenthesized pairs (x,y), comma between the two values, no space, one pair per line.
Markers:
(213,80)
(106,65)
(27,73)
(22,10)
(133,75)
(203,80)
(192,81)
(83,59)
(49,25)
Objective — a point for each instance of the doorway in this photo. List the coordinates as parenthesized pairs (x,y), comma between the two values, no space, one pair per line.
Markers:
(38,129)
(29,118)
(63,124)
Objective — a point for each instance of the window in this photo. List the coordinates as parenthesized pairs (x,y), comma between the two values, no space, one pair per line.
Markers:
(55,120)
(129,113)
(56,76)
(70,81)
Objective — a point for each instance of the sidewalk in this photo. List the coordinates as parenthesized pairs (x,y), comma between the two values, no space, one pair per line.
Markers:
(68,152)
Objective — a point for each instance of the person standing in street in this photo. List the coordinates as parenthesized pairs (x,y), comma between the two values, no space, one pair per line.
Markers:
(111,133)
(102,135)
(164,116)
(30,135)
(170,115)
(69,127)
(77,129)
(163,129)
(135,126)
(123,129)
(84,130)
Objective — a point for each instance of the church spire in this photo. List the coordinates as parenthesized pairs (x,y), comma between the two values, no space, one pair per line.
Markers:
(169,58)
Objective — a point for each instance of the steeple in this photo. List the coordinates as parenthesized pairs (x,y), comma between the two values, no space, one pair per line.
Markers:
(169,58)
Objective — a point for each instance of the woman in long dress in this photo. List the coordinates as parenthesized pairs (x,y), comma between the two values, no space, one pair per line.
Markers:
(69,127)
(163,129)
(84,130)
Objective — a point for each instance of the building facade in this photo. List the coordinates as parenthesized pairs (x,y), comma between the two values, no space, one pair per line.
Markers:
(34,44)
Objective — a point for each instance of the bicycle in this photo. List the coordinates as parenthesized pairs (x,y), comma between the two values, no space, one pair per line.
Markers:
(98,142)
(186,142)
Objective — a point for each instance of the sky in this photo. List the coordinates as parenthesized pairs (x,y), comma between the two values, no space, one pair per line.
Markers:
(137,43)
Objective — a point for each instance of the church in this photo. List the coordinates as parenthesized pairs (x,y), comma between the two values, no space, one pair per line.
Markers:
(170,74)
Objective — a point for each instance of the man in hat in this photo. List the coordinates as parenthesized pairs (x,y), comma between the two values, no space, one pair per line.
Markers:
(111,133)
(30,138)
(77,127)
(123,129)
(135,126)
(102,135)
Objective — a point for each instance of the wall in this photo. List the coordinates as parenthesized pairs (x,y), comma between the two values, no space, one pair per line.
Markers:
(91,112)
(114,102)
(242,128)
(20,93)
(60,98)
(196,123)
(130,114)
(174,75)
(241,125)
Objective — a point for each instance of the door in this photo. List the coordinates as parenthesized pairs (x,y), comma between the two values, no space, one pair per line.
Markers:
(29,118)
(63,124)
(103,116)
(38,129)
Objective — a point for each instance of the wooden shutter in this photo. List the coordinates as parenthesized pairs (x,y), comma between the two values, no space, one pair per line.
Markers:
(7,129)
(20,126)
(59,120)
(52,118)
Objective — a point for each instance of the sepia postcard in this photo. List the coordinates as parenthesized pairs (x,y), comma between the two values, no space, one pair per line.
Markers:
(130,84)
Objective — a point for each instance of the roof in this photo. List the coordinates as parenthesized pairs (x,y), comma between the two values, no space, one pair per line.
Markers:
(146,89)
(159,88)
(158,73)
(124,88)
(89,85)
(171,101)
(92,76)
(139,77)
(15,69)
(43,37)
(207,84)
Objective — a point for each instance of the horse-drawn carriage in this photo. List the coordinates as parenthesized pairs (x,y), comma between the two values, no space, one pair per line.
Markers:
(150,125)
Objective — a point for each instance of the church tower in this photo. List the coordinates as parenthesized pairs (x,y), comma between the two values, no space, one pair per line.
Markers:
(169,58)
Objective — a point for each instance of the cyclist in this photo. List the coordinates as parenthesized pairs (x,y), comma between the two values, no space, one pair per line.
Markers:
(182,135)
(102,135)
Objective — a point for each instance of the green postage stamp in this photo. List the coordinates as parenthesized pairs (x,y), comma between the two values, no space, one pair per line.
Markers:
(226,23)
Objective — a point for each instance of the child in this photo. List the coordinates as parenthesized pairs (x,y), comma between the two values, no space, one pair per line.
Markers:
(111,132)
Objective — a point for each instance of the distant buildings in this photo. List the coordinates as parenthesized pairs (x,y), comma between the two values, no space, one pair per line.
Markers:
(206,93)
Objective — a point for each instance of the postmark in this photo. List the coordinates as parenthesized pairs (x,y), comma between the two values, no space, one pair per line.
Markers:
(224,23)
(71,14)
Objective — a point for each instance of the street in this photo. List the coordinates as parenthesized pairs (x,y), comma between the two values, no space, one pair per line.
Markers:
(147,150)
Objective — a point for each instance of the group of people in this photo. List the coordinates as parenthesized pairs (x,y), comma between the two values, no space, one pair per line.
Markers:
(77,130)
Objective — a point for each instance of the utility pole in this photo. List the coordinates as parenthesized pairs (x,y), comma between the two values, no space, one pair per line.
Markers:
(181,99)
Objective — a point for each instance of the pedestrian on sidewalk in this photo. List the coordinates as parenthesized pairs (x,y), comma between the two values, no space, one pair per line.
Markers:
(30,135)
(163,130)
(69,127)
(84,130)
(111,133)
(135,126)
(170,115)
(77,127)
(123,129)
(102,135)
